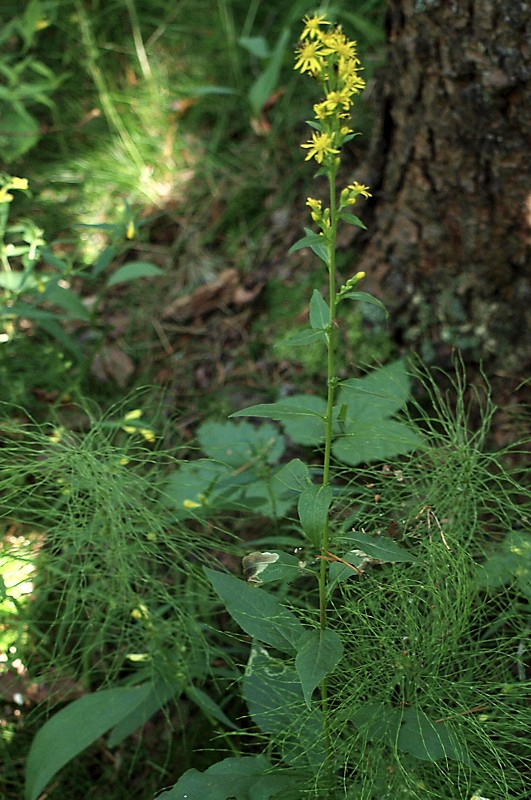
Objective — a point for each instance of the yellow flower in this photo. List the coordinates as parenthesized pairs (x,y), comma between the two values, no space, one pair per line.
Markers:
(191,504)
(335,100)
(135,414)
(316,209)
(350,194)
(312,26)
(19,183)
(310,58)
(336,43)
(147,434)
(320,146)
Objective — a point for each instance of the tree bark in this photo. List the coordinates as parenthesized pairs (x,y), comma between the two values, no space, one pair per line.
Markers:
(449,248)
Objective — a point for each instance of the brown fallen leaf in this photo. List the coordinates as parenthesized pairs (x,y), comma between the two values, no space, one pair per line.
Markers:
(226,290)
(112,364)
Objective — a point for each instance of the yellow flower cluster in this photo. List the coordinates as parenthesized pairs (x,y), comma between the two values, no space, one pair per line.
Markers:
(329,57)
(146,433)
(11,182)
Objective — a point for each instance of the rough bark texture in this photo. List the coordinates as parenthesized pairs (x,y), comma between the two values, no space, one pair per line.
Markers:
(449,247)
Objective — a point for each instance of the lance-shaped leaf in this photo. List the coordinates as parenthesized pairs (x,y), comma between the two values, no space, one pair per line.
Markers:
(303,338)
(259,613)
(280,411)
(313,505)
(378,547)
(319,652)
(73,729)
(319,312)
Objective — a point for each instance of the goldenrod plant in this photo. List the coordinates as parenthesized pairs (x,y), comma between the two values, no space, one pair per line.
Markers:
(372,643)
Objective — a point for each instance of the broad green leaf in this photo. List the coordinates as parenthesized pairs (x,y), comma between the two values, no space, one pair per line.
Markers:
(352,219)
(273,693)
(318,653)
(239,443)
(208,706)
(197,487)
(267,82)
(378,721)
(376,440)
(365,297)
(306,430)
(259,613)
(379,547)
(428,740)
(294,475)
(381,393)
(303,338)
(240,778)
(313,505)
(132,271)
(319,312)
(73,729)
(283,410)
(510,562)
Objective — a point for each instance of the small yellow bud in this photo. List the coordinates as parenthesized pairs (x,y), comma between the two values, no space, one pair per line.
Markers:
(191,504)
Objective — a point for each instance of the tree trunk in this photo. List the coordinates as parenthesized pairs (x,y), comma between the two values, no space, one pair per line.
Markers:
(449,248)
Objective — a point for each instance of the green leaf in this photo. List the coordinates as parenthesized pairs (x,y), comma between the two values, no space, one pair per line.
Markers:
(273,693)
(209,707)
(20,132)
(319,312)
(68,301)
(352,219)
(318,653)
(380,393)
(239,443)
(267,82)
(306,430)
(132,271)
(309,240)
(160,693)
(73,729)
(284,409)
(315,242)
(255,45)
(303,338)
(240,778)
(378,721)
(260,614)
(364,297)
(197,487)
(294,475)
(510,562)
(428,740)
(377,440)
(313,505)
(379,547)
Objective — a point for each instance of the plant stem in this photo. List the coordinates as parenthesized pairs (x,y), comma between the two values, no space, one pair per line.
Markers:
(331,387)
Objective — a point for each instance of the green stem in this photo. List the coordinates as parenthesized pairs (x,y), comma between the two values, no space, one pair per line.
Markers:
(331,387)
